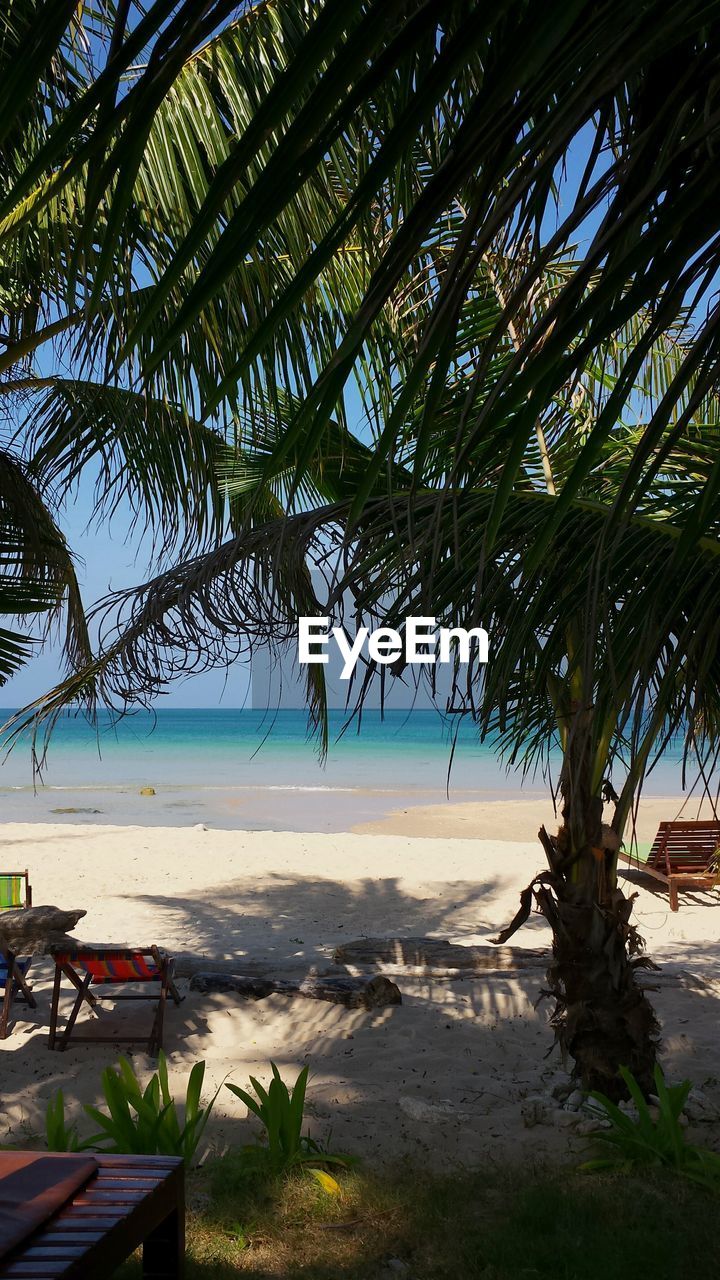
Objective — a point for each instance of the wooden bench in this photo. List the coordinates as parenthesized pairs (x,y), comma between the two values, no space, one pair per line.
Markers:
(132,1201)
(683,854)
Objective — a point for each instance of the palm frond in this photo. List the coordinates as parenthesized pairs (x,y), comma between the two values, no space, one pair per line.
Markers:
(37,574)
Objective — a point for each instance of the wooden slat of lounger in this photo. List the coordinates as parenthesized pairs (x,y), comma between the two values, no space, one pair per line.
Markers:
(40,1270)
(699,867)
(143,1163)
(54,1252)
(691,842)
(36,1271)
(132,1182)
(692,832)
(116,1194)
(695,848)
(86,1225)
(86,1237)
(696,856)
(692,858)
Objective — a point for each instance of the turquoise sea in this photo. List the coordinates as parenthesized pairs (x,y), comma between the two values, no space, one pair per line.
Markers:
(259,769)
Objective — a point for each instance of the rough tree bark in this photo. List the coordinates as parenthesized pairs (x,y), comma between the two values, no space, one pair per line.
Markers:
(602,1018)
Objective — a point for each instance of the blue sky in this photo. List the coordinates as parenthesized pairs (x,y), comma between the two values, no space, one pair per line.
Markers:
(107,559)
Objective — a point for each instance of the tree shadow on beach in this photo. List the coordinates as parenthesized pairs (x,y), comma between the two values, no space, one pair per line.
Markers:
(243,919)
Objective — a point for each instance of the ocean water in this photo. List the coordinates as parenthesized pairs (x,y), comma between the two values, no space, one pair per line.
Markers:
(218,747)
(259,769)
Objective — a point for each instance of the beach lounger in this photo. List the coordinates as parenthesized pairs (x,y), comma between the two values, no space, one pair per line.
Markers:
(112,967)
(683,855)
(75,1217)
(15,890)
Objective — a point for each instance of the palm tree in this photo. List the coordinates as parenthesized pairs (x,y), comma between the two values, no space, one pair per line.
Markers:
(608,678)
(84,120)
(104,166)
(377,200)
(55,117)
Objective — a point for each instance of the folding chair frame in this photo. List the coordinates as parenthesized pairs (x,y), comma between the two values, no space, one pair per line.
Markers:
(14,983)
(59,1040)
(21,875)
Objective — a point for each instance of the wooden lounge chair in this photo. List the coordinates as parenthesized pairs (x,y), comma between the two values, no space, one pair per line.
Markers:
(128,1201)
(112,967)
(15,890)
(683,855)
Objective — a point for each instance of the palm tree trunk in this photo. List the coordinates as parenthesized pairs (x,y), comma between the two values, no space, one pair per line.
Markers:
(602,1019)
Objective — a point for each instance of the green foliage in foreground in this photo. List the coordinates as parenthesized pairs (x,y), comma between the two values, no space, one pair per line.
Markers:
(148,1122)
(281,1111)
(507,1225)
(137,1121)
(653,1139)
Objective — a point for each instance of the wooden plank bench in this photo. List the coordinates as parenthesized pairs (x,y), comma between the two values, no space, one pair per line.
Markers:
(683,855)
(132,1201)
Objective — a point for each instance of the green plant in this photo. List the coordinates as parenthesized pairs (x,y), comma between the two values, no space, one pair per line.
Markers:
(281,1110)
(148,1121)
(653,1139)
(58,1134)
(238,1234)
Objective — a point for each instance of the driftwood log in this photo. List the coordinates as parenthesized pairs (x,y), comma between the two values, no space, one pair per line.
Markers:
(38,929)
(354,993)
(438,955)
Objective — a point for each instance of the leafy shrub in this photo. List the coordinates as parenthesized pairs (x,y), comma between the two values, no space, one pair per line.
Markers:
(137,1121)
(653,1141)
(281,1113)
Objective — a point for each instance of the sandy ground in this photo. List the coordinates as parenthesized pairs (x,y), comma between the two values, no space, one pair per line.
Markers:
(444,1073)
(518,818)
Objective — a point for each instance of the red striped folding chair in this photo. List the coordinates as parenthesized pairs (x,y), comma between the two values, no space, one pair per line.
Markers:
(113,967)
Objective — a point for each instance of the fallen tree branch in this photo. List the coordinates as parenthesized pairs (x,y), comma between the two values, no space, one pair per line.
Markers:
(355,993)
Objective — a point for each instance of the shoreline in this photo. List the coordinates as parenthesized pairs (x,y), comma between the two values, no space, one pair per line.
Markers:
(479,813)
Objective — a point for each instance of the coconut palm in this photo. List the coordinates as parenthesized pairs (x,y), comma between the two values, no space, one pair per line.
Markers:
(49,97)
(368,190)
(609,676)
(105,165)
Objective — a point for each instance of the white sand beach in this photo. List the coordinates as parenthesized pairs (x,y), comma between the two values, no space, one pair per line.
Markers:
(447,1070)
